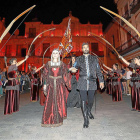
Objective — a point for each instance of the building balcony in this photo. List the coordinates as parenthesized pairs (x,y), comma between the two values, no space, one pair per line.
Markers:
(134,6)
(127,16)
(129,45)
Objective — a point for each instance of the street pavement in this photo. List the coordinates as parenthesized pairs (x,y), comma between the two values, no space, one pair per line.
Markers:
(113,121)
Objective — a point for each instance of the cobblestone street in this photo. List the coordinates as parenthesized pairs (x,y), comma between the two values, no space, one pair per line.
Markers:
(113,121)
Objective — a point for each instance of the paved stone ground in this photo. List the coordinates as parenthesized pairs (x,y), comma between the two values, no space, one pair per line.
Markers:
(113,121)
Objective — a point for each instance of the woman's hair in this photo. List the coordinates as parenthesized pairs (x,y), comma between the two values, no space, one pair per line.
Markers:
(11,60)
(58,61)
(71,59)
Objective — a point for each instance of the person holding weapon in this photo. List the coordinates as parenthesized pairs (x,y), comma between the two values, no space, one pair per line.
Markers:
(12,87)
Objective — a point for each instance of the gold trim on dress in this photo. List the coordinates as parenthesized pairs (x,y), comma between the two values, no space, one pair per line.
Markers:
(51,125)
(55,77)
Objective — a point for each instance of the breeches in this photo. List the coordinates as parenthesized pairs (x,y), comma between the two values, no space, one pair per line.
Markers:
(90,95)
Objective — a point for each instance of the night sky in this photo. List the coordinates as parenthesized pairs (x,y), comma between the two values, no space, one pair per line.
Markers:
(55,10)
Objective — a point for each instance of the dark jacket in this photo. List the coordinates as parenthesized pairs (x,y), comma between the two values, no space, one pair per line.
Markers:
(94,70)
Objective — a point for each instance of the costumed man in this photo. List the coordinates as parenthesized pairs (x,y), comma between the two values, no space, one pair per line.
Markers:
(12,88)
(88,69)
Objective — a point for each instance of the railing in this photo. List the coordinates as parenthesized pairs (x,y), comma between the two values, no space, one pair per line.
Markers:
(134,4)
(128,44)
(126,16)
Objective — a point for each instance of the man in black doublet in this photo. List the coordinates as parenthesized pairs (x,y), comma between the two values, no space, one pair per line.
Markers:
(89,70)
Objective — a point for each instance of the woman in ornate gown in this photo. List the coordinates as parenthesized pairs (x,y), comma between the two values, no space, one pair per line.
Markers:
(12,87)
(34,92)
(116,85)
(55,77)
(74,99)
(135,82)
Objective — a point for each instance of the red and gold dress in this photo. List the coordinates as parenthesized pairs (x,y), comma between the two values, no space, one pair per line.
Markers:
(56,79)
(12,91)
(34,87)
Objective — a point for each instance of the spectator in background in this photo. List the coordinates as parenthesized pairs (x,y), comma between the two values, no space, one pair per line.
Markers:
(128,77)
(23,80)
(1,91)
(27,82)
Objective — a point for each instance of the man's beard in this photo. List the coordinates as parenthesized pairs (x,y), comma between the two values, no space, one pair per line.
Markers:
(86,52)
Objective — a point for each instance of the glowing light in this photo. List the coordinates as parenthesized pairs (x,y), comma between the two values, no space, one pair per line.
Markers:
(77,33)
(40,36)
(101,34)
(88,34)
(25,36)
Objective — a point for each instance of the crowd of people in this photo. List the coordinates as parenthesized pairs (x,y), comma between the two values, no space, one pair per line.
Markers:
(66,86)
(125,78)
(63,86)
(124,81)
(23,77)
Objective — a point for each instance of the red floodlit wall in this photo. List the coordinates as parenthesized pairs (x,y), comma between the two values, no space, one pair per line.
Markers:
(79,35)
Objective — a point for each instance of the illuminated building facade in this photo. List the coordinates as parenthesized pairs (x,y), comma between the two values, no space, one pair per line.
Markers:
(18,46)
(129,43)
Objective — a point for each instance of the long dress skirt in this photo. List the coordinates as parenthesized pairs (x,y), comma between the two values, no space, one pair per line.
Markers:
(109,87)
(42,98)
(11,101)
(135,90)
(116,91)
(137,95)
(34,92)
(134,97)
(55,105)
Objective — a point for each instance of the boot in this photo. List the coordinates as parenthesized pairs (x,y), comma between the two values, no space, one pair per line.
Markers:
(89,111)
(84,110)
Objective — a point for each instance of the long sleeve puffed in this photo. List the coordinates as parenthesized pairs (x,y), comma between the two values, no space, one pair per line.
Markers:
(66,77)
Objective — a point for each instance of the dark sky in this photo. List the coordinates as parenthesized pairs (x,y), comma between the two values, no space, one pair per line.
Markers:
(56,10)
